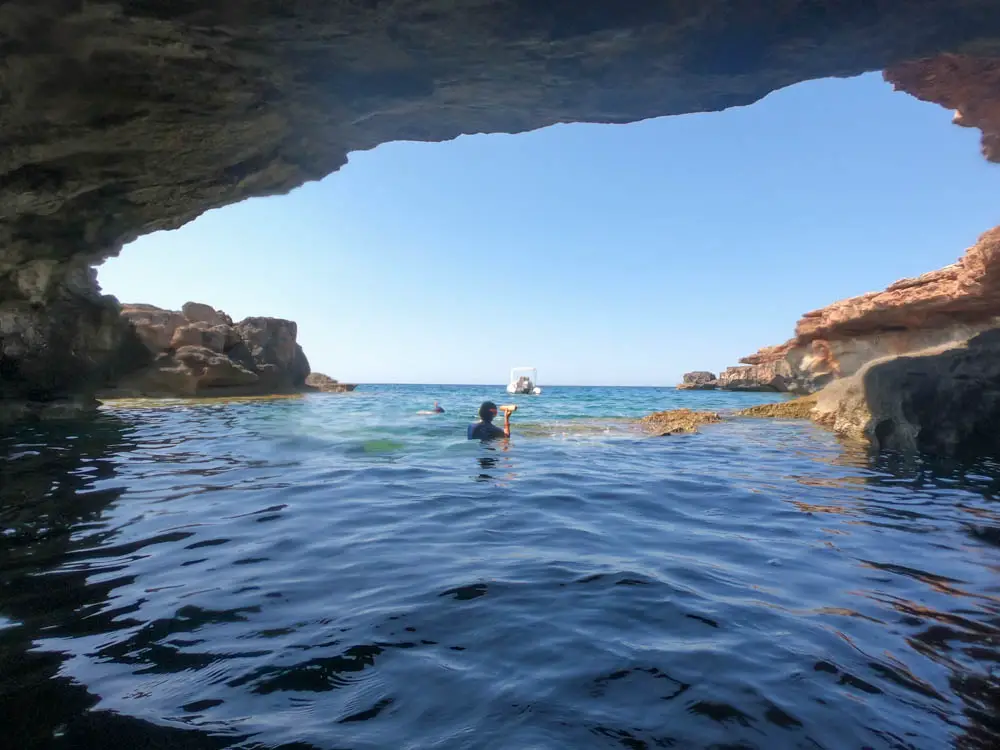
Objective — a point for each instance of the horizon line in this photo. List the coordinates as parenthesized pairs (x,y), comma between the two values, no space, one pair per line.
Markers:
(504,385)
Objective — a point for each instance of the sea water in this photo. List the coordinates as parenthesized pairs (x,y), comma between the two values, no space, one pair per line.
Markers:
(338,571)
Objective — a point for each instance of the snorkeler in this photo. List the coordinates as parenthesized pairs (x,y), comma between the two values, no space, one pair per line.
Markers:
(436,410)
(485,429)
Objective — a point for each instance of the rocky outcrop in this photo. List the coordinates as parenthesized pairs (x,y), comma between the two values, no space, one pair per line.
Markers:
(945,306)
(201,352)
(120,119)
(59,339)
(796,408)
(319,382)
(942,402)
(770,376)
(677,421)
(700,380)
(968,84)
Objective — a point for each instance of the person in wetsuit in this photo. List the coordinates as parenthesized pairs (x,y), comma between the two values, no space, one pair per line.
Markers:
(485,429)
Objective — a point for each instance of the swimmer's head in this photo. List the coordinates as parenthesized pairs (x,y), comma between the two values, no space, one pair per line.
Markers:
(487,411)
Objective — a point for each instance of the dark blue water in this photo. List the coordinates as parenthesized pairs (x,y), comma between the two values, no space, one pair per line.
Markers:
(337,571)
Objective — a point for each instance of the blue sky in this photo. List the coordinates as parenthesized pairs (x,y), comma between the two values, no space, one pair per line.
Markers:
(601,254)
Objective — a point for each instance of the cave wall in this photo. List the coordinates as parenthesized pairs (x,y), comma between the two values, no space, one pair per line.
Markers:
(122,118)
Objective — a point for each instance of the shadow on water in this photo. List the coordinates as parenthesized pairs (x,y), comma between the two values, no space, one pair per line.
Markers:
(498,466)
(606,603)
(915,494)
(48,501)
(962,632)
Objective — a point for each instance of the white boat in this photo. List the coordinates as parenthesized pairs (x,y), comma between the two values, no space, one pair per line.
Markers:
(524,380)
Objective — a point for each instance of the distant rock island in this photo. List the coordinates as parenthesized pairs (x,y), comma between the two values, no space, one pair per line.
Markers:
(320,382)
(699,380)
(201,352)
(914,367)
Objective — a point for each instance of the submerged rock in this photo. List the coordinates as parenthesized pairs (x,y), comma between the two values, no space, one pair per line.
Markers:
(797,408)
(200,352)
(677,421)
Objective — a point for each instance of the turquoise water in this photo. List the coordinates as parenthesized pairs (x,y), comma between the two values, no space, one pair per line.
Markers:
(337,571)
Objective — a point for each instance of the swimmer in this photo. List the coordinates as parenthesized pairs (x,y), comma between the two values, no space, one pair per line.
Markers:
(484,429)
(436,410)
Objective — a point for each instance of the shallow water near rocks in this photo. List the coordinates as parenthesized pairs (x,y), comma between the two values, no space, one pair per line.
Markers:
(336,571)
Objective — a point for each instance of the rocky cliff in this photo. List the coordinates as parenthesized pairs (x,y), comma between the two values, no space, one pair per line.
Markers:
(938,308)
(967,84)
(123,118)
(943,401)
(200,351)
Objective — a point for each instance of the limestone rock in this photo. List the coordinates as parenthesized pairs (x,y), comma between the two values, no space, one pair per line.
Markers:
(968,84)
(58,336)
(767,376)
(938,308)
(196,312)
(213,337)
(677,421)
(271,341)
(213,370)
(121,119)
(796,408)
(202,357)
(155,327)
(326,384)
(700,380)
(942,402)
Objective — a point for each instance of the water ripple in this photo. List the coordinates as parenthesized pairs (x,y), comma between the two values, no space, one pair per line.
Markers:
(334,572)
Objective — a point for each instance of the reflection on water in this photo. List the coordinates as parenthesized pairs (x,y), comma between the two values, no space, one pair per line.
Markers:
(250,575)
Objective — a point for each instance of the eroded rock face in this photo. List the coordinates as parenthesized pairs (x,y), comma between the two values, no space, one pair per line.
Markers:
(942,307)
(59,338)
(192,353)
(324,383)
(943,402)
(124,118)
(700,380)
(968,84)
(770,376)
(119,119)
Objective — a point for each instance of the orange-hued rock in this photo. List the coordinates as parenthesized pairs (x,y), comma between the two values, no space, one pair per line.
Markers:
(938,308)
(967,291)
(969,85)
(201,352)
(677,421)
